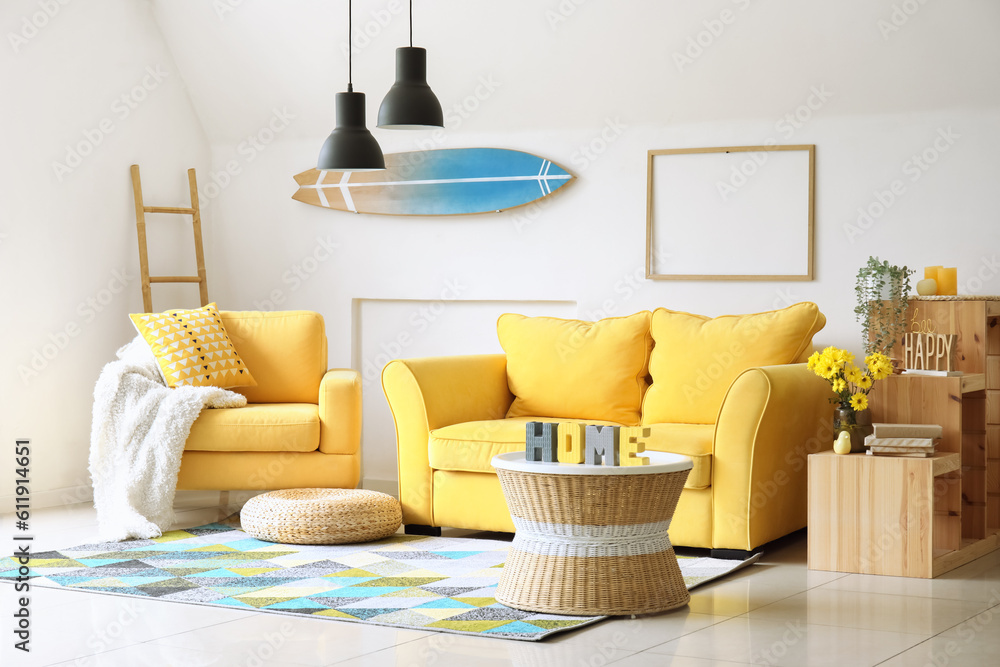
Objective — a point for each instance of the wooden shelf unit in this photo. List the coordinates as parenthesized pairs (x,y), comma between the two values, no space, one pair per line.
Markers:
(977,325)
(913,399)
(910,516)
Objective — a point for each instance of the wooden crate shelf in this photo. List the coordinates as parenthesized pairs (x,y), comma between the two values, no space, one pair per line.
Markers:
(882,515)
(920,517)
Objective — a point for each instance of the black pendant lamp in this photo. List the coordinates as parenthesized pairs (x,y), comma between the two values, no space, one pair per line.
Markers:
(350,147)
(410,104)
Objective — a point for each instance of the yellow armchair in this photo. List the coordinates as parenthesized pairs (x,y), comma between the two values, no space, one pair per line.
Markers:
(302,423)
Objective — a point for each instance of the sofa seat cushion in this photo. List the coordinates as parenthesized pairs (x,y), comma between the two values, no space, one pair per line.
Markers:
(470,447)
(692,440)
(261,427)
(696,358)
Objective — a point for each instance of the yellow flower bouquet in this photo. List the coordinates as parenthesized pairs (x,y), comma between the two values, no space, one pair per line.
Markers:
(850,382)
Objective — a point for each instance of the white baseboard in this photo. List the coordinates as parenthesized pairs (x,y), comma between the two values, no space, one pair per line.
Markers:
(188,499)
(69,495)
(389,486)
(185,499)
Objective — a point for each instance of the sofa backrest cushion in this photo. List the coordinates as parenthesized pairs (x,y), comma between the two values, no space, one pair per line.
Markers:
(285,351)
(577,370)
(695,358)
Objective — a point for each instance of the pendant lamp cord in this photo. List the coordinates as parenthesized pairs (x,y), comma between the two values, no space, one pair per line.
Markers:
(411,24)
(350,50)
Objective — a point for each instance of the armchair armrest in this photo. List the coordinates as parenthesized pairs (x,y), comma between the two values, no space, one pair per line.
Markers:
(771,418)
(340,411)
(433,392)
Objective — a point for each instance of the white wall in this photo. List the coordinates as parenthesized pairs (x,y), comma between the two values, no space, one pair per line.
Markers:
(68,257)
(587,245)
(593,86)
(593,92)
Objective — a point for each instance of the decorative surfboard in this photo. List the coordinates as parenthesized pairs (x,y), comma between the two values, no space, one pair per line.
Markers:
(449,181)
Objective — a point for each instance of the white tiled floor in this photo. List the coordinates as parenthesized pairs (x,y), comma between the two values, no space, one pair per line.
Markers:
(775,613)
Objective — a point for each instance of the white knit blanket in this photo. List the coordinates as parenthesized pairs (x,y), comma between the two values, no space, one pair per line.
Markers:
(136,440)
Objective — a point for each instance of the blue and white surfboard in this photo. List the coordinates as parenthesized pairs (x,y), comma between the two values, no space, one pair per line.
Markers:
(450,181)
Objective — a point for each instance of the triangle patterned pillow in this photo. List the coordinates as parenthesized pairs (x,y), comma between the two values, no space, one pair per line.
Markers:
(192,348)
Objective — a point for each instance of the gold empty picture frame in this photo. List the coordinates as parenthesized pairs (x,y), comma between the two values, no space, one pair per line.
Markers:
(730,213)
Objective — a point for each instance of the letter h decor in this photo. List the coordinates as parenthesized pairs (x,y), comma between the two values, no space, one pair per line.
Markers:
(540,443)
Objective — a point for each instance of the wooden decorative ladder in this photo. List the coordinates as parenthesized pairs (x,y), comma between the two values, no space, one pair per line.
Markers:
(140,224)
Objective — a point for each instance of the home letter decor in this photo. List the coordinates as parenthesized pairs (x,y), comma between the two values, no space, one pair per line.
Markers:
(633,442)
(571,442)
(540,442)
(602,445)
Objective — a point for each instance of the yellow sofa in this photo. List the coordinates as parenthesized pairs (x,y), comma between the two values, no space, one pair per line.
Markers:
(301,426)
(731,392)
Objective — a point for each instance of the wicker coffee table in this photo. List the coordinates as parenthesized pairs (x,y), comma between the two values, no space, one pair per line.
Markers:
(592,540)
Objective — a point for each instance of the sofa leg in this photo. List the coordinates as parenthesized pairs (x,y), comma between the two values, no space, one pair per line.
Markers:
(732,554)
(417,529)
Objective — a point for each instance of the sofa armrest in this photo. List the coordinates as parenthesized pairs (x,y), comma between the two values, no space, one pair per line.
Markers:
(433,392)
(340,411)
(771,418)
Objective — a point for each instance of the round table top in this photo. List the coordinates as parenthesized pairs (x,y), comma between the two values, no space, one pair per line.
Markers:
(659,462)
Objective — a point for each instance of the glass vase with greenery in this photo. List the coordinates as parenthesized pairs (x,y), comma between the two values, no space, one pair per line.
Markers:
(883,292)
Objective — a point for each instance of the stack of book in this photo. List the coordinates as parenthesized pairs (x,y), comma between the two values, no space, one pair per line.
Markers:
(912,440)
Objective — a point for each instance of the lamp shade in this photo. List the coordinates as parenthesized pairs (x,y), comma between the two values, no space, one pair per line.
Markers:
(350,147)
(410,104)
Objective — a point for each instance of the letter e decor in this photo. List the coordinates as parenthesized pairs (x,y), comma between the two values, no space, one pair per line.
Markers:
(633,442)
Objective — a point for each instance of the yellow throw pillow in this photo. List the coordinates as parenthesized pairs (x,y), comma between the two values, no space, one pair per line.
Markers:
(193,348)
(696,358)
(577,370)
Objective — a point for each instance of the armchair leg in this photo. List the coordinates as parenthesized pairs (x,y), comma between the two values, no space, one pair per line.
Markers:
(417,529)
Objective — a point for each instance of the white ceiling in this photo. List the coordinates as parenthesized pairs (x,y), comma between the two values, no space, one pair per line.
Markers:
(604,59)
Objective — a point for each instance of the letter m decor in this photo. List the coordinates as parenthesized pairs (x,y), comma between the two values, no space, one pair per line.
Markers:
(602,445)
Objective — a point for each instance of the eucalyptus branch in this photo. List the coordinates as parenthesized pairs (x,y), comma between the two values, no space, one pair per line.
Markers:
(882,321)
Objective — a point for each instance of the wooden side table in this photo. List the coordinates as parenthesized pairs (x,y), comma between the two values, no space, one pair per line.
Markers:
(888,515)
(592,540)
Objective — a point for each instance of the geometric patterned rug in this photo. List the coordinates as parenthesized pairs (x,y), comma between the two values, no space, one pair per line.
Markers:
(428,583)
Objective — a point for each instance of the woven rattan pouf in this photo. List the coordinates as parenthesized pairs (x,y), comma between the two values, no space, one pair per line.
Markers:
(321,516)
